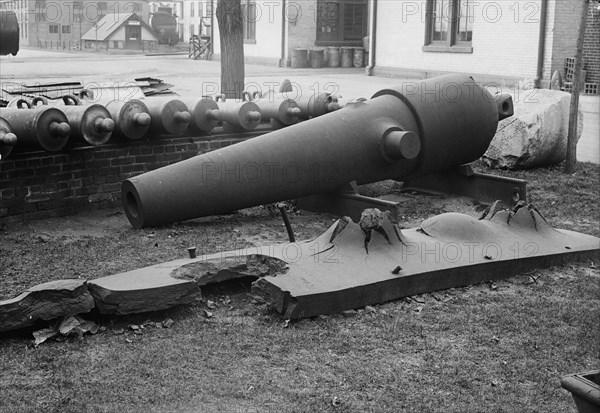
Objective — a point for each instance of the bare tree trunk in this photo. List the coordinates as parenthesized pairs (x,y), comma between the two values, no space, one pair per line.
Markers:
(574,110)
(231,30)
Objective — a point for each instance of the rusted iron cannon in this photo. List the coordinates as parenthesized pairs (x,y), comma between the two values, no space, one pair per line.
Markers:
(169,116)
(279,110)
(90,124)
(9,33)
(132,118)
(412,130)
(317,104)
(7,139)
(311,105)
(44,127)
(243,115)
(205,114)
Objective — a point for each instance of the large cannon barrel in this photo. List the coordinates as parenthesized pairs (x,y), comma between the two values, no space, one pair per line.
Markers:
(205,114)
(9,33)
(316,104)
(239,115)
(418,128)
(90,124)
(132,118)
(7,139)
(46,127)
(282,111)
(169,116)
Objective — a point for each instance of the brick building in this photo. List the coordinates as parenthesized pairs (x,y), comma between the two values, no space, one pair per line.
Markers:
(60,24)
(496,40)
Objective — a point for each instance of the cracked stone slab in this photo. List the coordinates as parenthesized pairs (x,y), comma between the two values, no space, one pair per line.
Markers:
(46,301)
(143,290)
(177,282)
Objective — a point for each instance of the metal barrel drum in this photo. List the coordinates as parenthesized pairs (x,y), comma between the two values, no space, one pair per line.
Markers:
(132,118)
(169,116)
(9,33)
(8,139)
(205,114)
(239,115)
(44,127)
(412,130)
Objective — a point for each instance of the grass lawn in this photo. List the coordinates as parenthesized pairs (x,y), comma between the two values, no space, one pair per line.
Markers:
(498,347)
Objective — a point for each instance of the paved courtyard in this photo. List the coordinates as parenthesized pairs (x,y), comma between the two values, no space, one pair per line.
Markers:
(196,77)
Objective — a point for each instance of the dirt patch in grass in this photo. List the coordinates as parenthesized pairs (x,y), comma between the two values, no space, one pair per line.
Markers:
(498,347)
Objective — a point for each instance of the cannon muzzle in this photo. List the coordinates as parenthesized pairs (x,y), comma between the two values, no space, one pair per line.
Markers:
(505,105)
(415,129)
(43,127)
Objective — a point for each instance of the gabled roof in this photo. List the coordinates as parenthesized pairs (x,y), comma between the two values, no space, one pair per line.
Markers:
(109,24)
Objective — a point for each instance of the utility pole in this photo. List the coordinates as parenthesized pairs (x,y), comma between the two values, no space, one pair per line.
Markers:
(571,163)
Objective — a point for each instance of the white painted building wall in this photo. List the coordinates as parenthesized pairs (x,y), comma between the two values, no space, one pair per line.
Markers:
(505,40)
(266,48)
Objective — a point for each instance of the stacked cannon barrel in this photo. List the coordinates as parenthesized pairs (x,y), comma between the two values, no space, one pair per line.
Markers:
(33,123)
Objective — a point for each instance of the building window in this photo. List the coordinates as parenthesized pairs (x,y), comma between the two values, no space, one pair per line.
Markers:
(341,21)
(115,44)
(249,18)
(192,11)
(66,29)
(191,30)
(53,28)
(449,26)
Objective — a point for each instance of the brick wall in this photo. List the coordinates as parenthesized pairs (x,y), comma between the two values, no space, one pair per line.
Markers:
(591,46)
(566,23)
(42,184)
(302,28)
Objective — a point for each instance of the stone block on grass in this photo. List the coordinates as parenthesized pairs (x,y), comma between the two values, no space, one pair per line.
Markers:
(537,133)
(46,301)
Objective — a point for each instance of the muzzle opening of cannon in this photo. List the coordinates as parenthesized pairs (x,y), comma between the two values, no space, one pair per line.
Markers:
(132,205)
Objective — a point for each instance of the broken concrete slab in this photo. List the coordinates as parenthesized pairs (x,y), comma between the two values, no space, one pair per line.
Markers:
(143,290)
(46,301)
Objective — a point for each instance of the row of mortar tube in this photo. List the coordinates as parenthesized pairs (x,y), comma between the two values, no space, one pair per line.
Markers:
(32,125)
